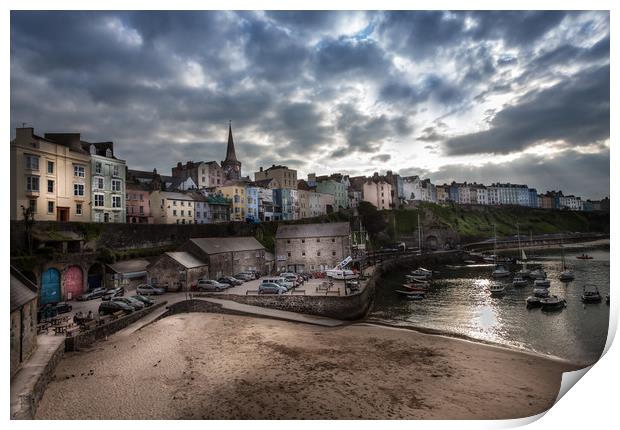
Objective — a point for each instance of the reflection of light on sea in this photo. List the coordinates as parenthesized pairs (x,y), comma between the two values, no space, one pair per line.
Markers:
(485,320)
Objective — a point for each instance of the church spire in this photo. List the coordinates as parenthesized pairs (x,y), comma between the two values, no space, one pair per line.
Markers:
(230,150)
(231,166)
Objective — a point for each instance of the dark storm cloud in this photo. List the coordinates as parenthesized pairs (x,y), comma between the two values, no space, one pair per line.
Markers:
(383,158)
(515,28)
(366,133)
(419,34)
(575,110)
(307,86)
(348,57)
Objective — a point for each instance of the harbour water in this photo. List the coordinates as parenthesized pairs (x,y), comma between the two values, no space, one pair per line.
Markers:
(458,302)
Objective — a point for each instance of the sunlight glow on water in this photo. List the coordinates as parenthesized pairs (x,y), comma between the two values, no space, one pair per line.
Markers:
(458,301)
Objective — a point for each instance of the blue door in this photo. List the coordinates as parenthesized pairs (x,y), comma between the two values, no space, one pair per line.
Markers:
(50,287)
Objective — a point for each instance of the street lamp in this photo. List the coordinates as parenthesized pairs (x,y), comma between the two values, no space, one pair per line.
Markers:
(183,279)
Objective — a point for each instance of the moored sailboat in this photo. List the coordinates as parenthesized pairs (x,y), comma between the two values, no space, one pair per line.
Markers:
(565,275)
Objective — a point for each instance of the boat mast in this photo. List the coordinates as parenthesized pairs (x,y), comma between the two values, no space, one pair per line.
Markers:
(495,243)
(519,238)
(562,248)
(419,234)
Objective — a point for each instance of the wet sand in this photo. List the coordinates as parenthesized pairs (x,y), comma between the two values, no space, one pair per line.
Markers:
(212,366)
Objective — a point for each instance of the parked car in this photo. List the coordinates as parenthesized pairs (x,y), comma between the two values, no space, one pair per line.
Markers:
(280,281)
(210,285)
(109,307)
(292,278)
(94,294)
(271,288)
(136,304)
(114,292)
(148,290)
(147,302)
(63,308)
(227,281)
(244,276)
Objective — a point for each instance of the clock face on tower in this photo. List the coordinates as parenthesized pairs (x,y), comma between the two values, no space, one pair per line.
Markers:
(232,171)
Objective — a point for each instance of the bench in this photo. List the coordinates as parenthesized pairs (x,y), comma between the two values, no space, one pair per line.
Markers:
(300,292)
(334,292)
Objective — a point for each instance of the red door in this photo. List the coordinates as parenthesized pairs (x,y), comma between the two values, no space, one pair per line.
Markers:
(74,284)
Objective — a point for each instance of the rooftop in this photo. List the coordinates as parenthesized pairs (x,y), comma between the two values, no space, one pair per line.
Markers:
(22,289)
(186,259)
(292,231)
(218,245)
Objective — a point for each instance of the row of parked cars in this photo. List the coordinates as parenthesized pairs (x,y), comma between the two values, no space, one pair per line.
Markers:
(225,282)
(125,304)
(281,284)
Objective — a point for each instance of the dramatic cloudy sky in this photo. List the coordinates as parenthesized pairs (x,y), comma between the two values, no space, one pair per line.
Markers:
(478,96)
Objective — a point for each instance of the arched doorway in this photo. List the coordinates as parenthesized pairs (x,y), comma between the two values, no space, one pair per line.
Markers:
(50,286)
(74,282)
(432,243)
(95,276)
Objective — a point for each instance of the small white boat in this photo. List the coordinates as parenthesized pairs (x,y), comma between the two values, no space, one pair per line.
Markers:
(552,303)
(469,262)
(538,274)
(541,292)
(567,275)
(524,273)
(518,281)
(490,258)
(500,272)
(542,283)
(497,289)
(411,294)
(417,279)
(590,294)
(422,273)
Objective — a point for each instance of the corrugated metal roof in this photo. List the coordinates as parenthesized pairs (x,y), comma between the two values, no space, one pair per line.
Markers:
(20,293)
(129,266)
(186,259)
(217,245)
(331,229)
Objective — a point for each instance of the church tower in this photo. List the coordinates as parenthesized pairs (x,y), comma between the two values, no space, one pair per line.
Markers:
(231,166)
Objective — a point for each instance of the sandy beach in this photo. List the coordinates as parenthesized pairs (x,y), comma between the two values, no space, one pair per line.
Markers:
(212,366)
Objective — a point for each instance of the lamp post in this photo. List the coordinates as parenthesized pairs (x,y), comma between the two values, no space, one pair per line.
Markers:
(183,279)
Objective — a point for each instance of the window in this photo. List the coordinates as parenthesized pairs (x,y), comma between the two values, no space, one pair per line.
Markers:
(115,170)
(98,200)
(99,183)
(174,212)
(32,162)
(182,213)
(97,167)
(288,240)
(333,239)
(288,253)
(50,186)
(303,253)
(197,214)
(182,203)
(303,240)
(141,197)
(116,185)
(50,207)
(78,171)
(318,240)
(318,253)
(50,167)
(78,208)
(174,203)
(177,221)
(204,214)
(189,204)
(189,213)
(32,183)
(141,210)
(116,202)
(32,205)
(78,189)
(333,252)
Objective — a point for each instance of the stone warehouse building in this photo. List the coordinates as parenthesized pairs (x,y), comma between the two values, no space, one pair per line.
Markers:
(312,247)
(177,270)
(226,256)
